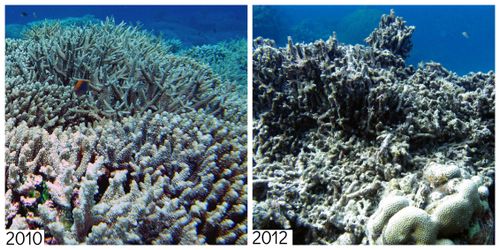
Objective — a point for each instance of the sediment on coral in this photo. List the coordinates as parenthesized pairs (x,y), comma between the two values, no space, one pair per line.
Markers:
(339,127)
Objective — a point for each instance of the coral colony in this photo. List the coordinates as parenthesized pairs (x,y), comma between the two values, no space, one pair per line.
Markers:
(353,147)
(112,140)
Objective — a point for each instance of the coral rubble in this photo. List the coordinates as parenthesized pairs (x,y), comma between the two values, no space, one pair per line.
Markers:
(352,146)
(154,152)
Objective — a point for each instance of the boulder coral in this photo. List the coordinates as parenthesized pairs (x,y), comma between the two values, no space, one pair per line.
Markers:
(438,174)
(403,223)
(388,207)
(410,225)
(455,212)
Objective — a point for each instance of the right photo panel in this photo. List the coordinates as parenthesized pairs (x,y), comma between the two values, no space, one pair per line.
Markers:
(375,124)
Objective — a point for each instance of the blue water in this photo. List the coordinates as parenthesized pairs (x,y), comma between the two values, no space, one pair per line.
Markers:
(438,35)
(193,25)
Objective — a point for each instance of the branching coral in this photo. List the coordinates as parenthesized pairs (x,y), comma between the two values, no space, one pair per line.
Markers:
(165,179)
(228,59)
(154,152)
(337,125)
(392,34)
(130,70)
(47,105)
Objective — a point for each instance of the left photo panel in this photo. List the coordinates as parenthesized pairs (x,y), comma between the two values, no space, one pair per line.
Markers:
(127,124)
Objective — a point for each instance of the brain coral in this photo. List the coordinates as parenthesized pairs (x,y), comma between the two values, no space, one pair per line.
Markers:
(454,213)
(388,207)
(410,225)
(337,127)
(164,179)
(447,217)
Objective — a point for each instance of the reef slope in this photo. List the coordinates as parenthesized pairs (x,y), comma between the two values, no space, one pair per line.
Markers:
(338,128)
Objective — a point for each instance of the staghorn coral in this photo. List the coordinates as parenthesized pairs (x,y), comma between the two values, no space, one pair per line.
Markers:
(165,179)
(392,34)
(18,30)
(130,71)
(45,104)
(153,153)
(228,59)
(336,127)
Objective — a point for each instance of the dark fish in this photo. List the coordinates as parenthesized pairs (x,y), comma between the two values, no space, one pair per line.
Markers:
(81,87)
(24,14)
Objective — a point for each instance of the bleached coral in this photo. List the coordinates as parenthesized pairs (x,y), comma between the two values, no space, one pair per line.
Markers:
(410,225)
(454,213)
(388,207)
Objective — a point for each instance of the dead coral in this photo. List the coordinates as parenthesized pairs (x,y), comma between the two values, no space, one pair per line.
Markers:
(335,125)
(392,34)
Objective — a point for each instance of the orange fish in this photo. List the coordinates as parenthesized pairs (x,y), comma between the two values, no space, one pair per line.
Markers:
(81,87)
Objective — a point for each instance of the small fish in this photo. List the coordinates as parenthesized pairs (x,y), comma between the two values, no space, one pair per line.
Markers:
(34,15)
(24,14)
(81,86)
(465,34)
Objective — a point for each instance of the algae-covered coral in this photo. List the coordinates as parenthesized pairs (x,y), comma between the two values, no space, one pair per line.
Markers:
(152,151)
(352,146)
